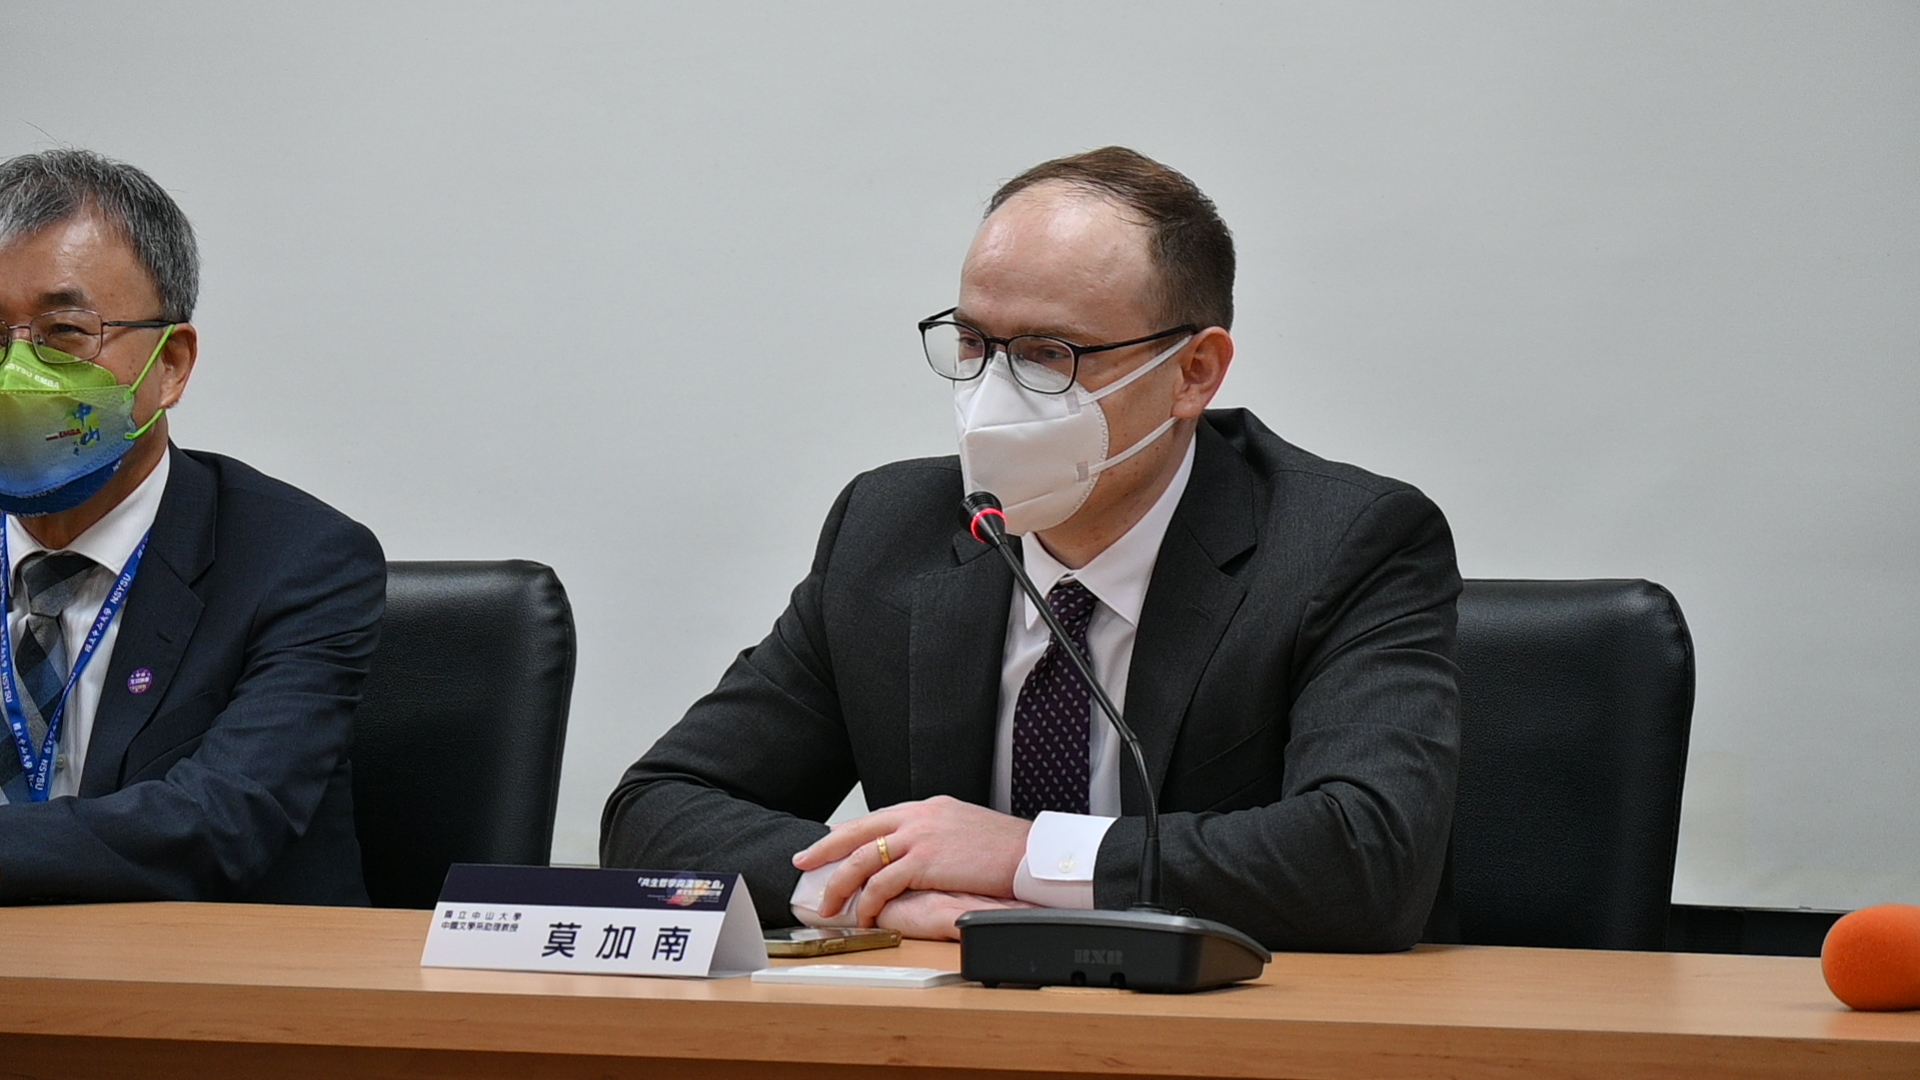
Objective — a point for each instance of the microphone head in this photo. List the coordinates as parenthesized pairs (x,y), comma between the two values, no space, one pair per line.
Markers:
(984,517)
(978,501)
(1871,958)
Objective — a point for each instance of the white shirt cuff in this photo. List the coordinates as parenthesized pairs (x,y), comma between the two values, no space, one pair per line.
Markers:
(1061,852)
(812,889)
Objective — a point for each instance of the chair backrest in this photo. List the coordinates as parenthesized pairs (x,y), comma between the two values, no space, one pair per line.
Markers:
(1576,698)
(457,741)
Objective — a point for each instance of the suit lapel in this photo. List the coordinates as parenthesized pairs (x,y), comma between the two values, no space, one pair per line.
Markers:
(161,613)
(1189,603)
(957,635)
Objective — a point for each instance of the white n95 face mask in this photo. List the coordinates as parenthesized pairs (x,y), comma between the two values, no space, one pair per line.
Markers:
(1039,454)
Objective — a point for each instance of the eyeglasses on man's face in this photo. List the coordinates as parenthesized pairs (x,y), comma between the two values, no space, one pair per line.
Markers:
(1043,364)
(61,337)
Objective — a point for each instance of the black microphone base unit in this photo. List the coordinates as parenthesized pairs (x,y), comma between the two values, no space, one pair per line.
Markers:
(1133,950)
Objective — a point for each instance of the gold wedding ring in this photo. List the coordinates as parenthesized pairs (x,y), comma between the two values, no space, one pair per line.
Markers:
(885,856)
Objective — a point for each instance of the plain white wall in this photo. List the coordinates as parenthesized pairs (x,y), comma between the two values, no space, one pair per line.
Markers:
(1630,289)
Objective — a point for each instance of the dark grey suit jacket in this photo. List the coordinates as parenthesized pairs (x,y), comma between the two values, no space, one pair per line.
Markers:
(1292,682)
(256,608)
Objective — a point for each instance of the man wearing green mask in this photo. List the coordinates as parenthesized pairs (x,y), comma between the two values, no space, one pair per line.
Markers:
(186,638)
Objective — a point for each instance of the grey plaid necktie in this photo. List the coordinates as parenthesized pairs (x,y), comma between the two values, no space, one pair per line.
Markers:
(48,583)
(1051,770)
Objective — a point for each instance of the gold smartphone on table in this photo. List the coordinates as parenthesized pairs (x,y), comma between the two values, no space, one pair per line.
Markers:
(827,940)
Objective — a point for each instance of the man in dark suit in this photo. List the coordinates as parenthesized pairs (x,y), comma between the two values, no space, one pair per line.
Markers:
(186,637)
(1277,628)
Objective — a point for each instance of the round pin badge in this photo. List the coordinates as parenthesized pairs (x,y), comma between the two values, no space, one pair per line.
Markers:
(140,681)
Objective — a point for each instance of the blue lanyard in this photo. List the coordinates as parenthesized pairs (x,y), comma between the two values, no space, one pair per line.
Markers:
(38,762)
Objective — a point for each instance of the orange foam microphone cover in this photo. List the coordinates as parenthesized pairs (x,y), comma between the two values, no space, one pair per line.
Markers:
(1871,958)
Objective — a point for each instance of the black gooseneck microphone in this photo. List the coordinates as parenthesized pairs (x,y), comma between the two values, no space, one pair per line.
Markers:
(989,526)
(1143,948)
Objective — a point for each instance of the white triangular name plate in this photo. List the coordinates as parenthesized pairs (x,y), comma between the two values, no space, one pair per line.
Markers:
(602,922)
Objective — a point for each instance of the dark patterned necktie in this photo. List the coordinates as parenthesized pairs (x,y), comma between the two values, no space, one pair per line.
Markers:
(1050,737)
(48,583)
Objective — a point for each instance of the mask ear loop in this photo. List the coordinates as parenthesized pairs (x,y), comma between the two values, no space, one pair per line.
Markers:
(1166,425)
(135,388)
(1138,373)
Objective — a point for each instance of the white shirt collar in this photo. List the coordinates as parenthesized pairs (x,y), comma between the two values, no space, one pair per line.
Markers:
(109,541)
(1118,576)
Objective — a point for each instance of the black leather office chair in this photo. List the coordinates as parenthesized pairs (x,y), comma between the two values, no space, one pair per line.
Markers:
(457,743)
(1576,702)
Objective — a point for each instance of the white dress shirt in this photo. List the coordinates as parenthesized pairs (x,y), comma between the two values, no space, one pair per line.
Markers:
(1061,848)
(109,542)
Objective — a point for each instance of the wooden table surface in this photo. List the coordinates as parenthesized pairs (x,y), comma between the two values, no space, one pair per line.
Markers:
(204,989)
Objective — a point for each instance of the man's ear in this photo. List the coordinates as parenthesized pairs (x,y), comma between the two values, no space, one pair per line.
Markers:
(1203,367)
(175,364)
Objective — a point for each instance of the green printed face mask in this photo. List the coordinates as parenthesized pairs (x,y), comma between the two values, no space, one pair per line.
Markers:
(64,426)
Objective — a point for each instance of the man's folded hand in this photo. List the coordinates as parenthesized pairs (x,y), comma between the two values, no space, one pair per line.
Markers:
(930,913)
(939,844)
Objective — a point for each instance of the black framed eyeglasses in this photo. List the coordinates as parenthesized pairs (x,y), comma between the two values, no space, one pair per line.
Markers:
(1045,365)
(61,337)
